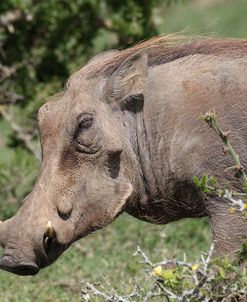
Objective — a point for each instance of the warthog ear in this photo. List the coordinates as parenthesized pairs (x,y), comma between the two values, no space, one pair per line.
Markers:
(108,198)
(123,191)
(129,79)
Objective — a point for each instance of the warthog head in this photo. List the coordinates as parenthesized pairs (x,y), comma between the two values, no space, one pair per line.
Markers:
(89,170)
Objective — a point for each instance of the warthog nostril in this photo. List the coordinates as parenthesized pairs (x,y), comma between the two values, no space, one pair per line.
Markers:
(22,268)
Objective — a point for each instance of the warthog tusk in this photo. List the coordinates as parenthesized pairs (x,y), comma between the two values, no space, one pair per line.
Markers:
(48,234)
(49,230)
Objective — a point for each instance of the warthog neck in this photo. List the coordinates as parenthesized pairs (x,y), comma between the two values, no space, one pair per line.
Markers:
(147,187)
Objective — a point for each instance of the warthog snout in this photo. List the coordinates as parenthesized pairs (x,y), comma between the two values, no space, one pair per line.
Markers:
(21,268)
(26,253)
(9,262)
(16,262)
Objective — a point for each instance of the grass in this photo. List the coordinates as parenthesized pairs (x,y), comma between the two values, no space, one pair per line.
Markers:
(107,253)
(225,18)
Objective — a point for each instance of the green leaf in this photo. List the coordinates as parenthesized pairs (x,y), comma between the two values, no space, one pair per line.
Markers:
(245,187)
(213,181)
(222,273)
(196,181)
(204,181)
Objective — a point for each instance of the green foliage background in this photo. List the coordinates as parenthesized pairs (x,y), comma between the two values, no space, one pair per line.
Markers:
(47,41)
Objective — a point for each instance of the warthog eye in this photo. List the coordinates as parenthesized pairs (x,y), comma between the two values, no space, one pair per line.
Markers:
(86,134)
(85,121)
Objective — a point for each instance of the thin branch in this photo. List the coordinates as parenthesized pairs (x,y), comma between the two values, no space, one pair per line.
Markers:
(169,293)
(239,203)
(146,259)
(8,98)
(210,119)
(106,294)
(209,257)
(95,291)
(25,138)
(8,71)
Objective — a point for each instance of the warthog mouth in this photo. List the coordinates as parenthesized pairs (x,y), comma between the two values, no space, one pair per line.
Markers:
(21,268)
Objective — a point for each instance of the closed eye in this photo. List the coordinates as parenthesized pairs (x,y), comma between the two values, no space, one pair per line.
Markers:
(85,121)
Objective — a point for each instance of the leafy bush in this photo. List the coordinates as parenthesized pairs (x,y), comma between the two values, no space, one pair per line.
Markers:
(173,280)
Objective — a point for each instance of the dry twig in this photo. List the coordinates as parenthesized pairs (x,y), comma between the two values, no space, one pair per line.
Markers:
(24,137)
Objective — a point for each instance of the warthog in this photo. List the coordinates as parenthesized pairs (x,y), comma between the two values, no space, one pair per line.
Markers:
(125,136)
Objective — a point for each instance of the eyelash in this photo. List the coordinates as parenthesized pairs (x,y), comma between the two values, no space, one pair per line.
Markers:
(85,123)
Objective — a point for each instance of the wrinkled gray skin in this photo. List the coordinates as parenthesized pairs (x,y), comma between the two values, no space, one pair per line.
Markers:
(105,152)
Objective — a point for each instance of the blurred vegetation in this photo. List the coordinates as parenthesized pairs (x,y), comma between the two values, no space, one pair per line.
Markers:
(41,44)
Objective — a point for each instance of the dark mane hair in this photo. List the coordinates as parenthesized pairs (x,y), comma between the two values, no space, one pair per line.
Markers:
(167,48)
